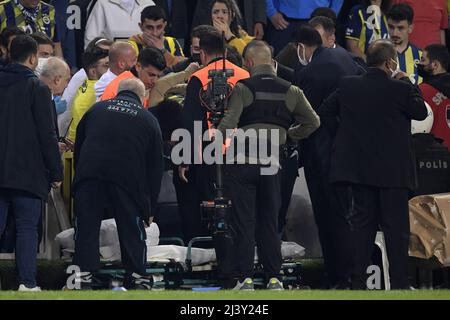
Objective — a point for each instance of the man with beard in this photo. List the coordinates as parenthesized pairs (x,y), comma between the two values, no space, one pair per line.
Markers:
(400,25)
(436,88)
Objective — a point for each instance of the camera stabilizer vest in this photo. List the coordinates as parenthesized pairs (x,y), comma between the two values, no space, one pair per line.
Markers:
(269,106)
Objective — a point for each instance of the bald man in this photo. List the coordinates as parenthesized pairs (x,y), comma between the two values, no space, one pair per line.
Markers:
(122,57)
(262,102)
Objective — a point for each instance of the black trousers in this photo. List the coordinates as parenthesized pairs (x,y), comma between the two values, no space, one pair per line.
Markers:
(93,199)
(254,216)
(366,210)
(315,157)
(288,175)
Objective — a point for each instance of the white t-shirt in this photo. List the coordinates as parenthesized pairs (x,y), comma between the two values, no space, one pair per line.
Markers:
(68,95)
(115,19)
(103,82)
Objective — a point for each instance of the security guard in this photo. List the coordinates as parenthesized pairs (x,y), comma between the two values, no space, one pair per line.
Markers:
(30,16)
(263,101)
(118,168)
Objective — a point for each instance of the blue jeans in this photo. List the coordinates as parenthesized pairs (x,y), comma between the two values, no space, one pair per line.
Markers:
(27,211)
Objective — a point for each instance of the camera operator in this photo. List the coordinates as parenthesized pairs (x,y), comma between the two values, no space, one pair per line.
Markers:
(262,102)
(199,177)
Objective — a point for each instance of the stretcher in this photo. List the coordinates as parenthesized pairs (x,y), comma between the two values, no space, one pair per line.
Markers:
(178,275)
(173,265)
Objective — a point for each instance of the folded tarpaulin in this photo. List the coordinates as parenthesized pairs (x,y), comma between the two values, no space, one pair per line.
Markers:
(429,217)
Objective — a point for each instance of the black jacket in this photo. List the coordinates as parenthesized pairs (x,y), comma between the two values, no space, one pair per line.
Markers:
(321,76)
(29,154)
(120,142)
(441,82)
(373,144)
(177,19)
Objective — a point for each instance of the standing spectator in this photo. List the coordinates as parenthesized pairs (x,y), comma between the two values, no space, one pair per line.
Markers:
(287,15)
(31,16)
(45,45)
(66,35)
(177,26)
(367,23)
(6,37)
(115,19)
(45,50)
(253,11)
(29,157)
(371,163)
(153,24)
(430,21)
(122,57)
(436,88)
(400,24)
(225,17)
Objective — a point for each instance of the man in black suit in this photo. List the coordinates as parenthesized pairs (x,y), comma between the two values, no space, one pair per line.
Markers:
(371,161)
(318,78)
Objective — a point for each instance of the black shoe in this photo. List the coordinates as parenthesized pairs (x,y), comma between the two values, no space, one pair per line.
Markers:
(138,282)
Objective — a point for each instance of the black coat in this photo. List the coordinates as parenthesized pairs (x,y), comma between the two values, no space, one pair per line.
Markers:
(321,76)
(177,20)
(29,154)
(373,144)
(120,142)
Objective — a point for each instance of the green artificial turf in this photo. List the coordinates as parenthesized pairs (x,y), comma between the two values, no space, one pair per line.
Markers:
(230,295)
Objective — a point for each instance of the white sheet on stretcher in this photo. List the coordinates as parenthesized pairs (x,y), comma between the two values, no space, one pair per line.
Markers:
(110,248)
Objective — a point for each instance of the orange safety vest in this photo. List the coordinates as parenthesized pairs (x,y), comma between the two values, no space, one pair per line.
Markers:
(112,89)
(202,75)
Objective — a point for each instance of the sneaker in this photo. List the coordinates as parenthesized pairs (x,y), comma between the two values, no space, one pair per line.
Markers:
(24,288)
(138,282)
(246,285)
(275,284)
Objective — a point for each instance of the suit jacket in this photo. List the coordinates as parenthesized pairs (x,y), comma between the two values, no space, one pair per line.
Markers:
(321,76)
(370,117)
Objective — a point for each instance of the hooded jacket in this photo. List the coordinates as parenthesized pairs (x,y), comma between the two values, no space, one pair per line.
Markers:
(29,154)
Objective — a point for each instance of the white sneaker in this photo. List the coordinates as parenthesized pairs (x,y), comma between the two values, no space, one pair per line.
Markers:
(23,288)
